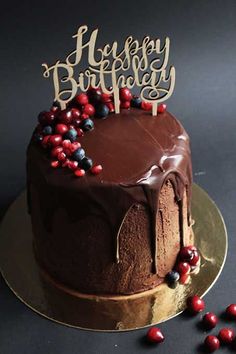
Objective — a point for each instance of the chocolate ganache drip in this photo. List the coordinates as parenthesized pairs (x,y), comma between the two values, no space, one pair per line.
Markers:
(138,152)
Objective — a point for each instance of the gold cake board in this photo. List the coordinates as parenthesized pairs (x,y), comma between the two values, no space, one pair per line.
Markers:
(108,313)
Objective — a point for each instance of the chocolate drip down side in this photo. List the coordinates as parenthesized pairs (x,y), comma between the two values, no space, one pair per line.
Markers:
(138,152)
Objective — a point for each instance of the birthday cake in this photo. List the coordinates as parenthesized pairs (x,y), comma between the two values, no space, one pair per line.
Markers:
(109,198)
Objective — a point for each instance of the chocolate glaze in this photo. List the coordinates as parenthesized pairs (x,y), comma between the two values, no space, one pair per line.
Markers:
(138,152)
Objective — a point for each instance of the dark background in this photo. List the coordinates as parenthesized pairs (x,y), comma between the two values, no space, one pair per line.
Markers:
(203,50)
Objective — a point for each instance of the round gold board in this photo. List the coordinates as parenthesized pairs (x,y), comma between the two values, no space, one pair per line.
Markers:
(113,313)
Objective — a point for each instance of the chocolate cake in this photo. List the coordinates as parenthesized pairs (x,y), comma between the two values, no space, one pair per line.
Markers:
(119,231)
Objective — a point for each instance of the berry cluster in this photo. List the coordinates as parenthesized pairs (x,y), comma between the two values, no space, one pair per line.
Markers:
(209,321)
(187,261)
(59,131)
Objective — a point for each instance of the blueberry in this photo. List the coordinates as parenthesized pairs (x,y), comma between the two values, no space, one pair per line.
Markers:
(172,277)
(37,138)
(86,163)
(102,111)
(94,95)
(71,135)
(87,124)
(47,130)
(78,154)
(136,102)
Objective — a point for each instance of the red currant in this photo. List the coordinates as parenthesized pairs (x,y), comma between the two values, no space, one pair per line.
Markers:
(212,343)
(194,261)
(183,268)
(65,116)
(82,99)
(226,335)
(73,165)
(89,109)
(61,128)
(110,106)
(210,320)
(55,164)
(146,106)
(161,108)
(185,254)
(55,140)
(106,97)
(195,304)
(96,169)
(154,335)
(125,104)
(125,94)
(55,151)
(79,172)
(231,311)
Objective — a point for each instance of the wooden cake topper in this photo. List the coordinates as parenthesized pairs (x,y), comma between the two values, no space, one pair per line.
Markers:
(145,63)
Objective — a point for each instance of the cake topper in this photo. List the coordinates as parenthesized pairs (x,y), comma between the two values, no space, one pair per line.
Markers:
(145,64)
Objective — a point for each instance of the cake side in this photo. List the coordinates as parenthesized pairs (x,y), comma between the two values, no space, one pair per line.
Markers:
(118,232)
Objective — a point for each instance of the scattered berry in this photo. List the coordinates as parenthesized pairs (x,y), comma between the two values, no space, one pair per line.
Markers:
(125,104)
(54,140)
(46,118)
(102,111)
(231,311)
(106,97)
(79,172)
(195,259)
(71,135)
(56,150)
(183,268)
(82,99)
(125,94)
(73,165)
(87,124)
(161,108)
(210,320)
(195,304)
(75,113)
(94,95)
(79,132)
(226,335)
(66,144)
(74,146)
(172,277)
(65,116)
(55,164)
(154,335)
(61,128)
(136,102)
(110,106)
(86,163)
(146,106)
(78,154)
(89,109)
(45,141)
(96,169)
(212,343)
(61,156)
(185,254)
(76,122)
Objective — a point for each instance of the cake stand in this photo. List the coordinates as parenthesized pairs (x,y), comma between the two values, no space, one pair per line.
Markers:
(108,313)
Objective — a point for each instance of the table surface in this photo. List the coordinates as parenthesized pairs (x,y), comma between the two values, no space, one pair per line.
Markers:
(203,51)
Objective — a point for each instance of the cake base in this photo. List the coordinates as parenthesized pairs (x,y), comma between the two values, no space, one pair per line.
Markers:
(108,313)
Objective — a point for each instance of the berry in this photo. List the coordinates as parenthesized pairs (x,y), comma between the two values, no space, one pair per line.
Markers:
(65,163)
(194,260)
(210,320)
(125,104)
(185,254)
(78,154)
(65,116)
(56,150)
(84,116)
(79,172)
(161,108)
(136,102)
(86,163)
(195,304)
(106,97)
(38,138)
(146,106)
(55,164)
(61,156)
(226,335)
(87,124)
(61,128)
(82,99)
(54,140)
(47,130)
(74,146)
(183,268)
(110,106)
(172,277)
(125,94)
(94,95)
(71,135)
(184,279)
(46,118)
(76,122)
(89,109)
(79,132)
(212,343)
(231,311)
(66,144)
(102,111)
(73,165)
(96,169)
(154,335)
(45,141)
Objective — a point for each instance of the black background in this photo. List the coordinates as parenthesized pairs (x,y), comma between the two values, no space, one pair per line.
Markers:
(203,50)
